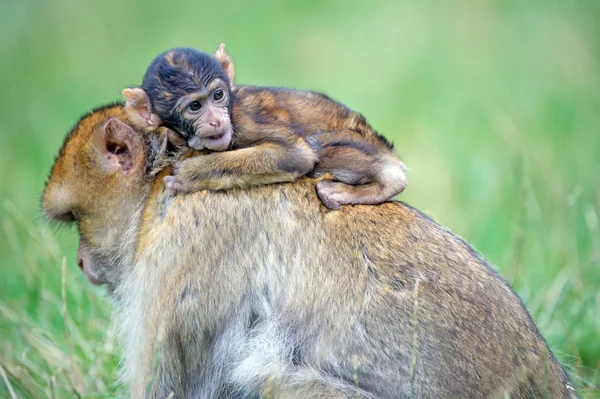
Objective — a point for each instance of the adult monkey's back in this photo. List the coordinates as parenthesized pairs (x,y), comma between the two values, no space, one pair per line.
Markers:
(243,293)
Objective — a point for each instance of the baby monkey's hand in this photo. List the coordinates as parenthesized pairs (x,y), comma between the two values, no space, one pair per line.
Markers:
(176,139)
(183,179)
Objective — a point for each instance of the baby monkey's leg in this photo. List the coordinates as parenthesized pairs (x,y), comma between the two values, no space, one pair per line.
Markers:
(362,174)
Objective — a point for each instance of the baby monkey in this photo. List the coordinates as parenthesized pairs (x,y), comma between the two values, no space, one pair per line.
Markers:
(261,135)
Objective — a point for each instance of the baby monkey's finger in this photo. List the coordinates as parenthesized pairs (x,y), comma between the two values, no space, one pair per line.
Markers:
(176,140)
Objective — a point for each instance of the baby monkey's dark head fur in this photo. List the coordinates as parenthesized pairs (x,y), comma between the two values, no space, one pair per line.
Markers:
(176,73)
(188,91)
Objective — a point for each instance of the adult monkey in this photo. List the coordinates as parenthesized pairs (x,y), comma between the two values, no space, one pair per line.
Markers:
(265,292)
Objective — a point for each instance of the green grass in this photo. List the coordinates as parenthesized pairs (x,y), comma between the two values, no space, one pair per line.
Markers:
(495,106)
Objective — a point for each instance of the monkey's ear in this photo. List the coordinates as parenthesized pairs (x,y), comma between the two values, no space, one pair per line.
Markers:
(139,109)
(226,63)
(121,147)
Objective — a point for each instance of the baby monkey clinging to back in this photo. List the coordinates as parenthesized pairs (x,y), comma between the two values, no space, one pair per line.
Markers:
(272,135)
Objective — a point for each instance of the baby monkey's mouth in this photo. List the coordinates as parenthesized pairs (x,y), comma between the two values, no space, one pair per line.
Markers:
(216,142)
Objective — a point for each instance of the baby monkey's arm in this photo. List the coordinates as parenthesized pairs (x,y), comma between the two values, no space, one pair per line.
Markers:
(276,159)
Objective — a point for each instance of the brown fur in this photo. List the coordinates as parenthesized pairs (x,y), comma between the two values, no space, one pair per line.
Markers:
(282,134)
(244,293)
(279,135)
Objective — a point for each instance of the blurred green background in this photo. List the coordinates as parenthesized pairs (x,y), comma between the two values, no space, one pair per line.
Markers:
(494,105)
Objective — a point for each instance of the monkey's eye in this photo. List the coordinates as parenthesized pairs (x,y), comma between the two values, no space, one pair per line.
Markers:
(194,106)
(218,94)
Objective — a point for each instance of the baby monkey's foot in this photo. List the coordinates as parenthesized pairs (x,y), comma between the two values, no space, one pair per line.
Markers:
(333,194)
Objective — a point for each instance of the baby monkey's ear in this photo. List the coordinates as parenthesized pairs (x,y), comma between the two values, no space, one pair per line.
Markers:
(139,109)
(226,63)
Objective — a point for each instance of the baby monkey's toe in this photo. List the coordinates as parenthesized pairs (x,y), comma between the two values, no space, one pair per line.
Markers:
(332,194)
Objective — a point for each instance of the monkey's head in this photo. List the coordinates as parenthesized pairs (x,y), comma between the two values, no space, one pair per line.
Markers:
(97,184)
(190,92)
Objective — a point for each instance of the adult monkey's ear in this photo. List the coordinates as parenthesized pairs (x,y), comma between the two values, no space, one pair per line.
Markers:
(139,109)
(226,63)
(120,148)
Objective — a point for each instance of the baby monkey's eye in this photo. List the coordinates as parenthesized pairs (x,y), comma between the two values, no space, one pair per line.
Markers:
(194,106)
(218,94)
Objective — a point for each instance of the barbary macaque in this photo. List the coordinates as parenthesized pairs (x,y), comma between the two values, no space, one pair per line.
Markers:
(259,293)
(273,135)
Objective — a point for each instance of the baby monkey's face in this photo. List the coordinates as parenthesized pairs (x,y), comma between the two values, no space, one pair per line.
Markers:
(205,117)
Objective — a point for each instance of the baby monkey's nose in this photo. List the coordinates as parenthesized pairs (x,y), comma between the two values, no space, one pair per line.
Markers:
(215,123)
